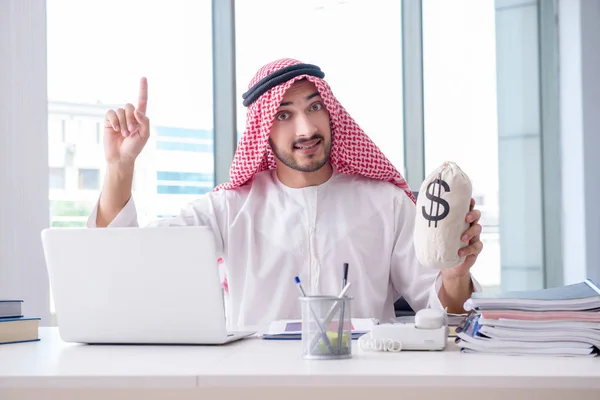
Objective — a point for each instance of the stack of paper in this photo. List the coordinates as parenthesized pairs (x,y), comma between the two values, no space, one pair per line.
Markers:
(562,321)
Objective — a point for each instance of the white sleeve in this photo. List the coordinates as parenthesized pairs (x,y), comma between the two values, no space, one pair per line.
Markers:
(208,210)
(419,285)
(434,299)
(126,218)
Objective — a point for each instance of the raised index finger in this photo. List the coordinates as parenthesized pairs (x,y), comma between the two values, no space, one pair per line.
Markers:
(143,97)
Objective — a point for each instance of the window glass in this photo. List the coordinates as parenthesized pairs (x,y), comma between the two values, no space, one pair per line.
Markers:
(345,39)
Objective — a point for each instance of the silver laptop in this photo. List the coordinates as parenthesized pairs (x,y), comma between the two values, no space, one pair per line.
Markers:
(137,285)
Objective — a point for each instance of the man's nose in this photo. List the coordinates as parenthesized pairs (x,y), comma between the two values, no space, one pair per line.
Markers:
(304,126)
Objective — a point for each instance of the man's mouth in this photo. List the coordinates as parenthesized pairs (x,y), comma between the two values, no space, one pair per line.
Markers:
(307,145)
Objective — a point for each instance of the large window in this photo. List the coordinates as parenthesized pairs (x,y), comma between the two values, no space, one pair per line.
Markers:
(97,53)
(481,110)
(357,43)
(481,99)
(461,124)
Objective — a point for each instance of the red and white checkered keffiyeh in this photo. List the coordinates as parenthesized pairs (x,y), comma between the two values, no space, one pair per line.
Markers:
(352,151)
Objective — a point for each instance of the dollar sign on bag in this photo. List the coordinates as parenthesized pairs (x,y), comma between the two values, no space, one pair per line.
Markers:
(437,183)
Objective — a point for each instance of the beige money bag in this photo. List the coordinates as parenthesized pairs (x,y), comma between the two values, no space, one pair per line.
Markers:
(442,205)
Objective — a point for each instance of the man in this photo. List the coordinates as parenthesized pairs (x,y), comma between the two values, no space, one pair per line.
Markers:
(309,191)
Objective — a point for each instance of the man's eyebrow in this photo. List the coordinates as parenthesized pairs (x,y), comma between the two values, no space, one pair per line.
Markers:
(310,96)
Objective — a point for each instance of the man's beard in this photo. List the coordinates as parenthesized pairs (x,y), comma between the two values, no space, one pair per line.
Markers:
(288,159)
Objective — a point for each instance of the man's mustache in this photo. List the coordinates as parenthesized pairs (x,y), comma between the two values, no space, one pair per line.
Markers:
(313,137)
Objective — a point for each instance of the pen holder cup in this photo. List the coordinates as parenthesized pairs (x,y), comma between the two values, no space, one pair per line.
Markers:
(326,327)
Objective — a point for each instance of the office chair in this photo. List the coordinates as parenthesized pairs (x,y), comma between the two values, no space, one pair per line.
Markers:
(401,306)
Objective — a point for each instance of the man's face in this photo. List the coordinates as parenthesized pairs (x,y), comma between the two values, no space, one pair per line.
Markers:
(301,134)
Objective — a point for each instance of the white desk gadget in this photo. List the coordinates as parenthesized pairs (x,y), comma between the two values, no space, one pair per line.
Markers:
(428,332)
(137,285)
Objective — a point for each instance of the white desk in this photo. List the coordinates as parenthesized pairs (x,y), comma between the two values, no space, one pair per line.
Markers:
(259,369)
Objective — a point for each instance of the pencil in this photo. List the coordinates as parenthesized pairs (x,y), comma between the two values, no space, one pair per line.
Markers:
(319,325)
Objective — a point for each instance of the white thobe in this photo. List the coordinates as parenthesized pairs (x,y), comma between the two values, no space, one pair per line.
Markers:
(268,233)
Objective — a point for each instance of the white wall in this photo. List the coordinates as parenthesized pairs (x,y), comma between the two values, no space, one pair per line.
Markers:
(579,43)
(24,208)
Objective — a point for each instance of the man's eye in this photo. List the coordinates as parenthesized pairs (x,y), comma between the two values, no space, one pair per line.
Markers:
(316,107)
(282,116)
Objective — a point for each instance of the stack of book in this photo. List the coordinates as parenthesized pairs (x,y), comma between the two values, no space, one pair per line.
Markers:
(560,321)
(14,327)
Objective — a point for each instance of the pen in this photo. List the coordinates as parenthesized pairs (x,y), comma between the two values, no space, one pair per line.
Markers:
(342,312)
(321,328)
(345,279)
(331,313)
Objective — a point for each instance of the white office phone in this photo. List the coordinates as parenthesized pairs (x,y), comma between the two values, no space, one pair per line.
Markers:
(428,332)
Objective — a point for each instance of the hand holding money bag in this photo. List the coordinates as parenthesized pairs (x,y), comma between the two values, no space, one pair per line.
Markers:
(443,202)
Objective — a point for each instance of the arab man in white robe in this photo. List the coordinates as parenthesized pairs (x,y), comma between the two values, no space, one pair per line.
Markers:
(308,192)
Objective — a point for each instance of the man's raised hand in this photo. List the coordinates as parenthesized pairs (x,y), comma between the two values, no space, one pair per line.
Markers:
(126,130)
